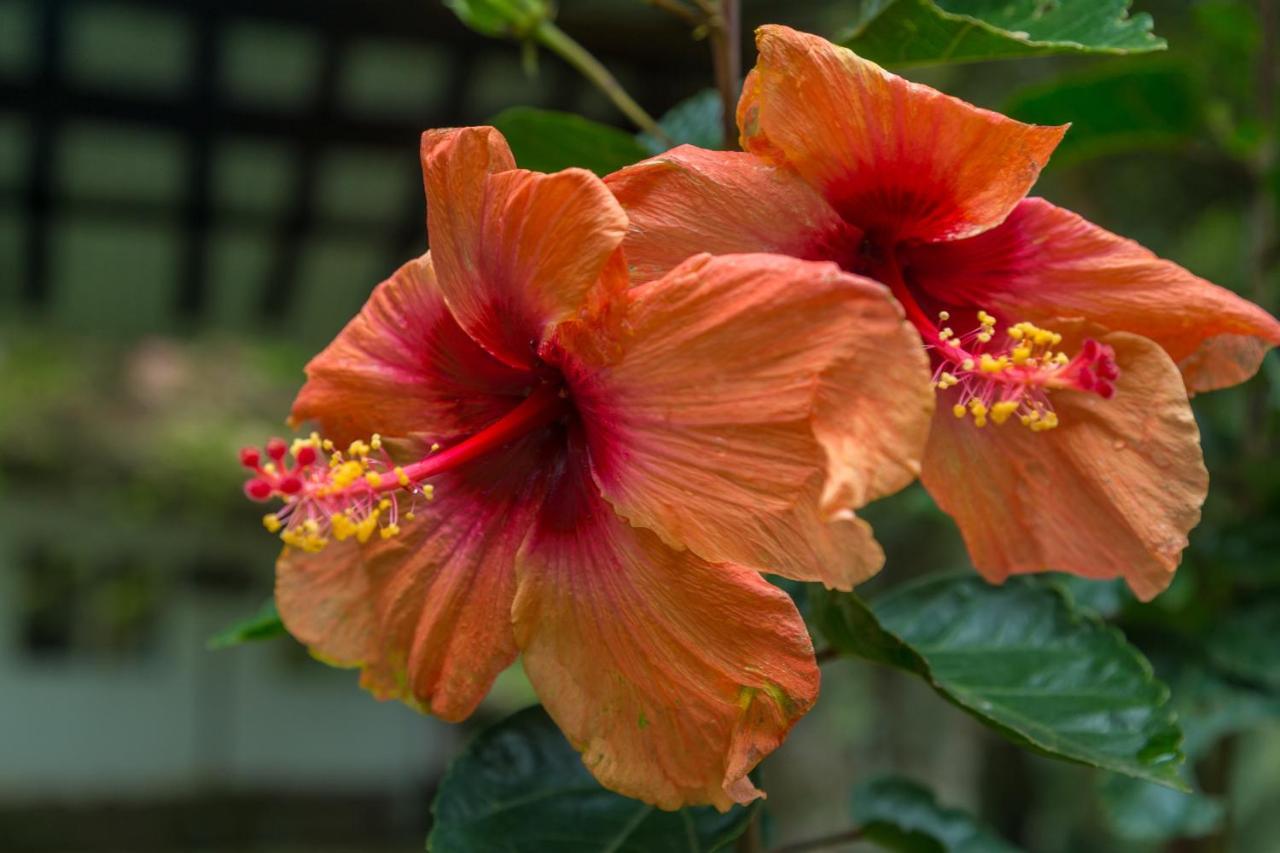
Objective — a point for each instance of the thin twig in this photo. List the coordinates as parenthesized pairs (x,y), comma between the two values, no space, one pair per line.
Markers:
(823,841)
(830,653)
(558,42)
(726,52)
(690,16)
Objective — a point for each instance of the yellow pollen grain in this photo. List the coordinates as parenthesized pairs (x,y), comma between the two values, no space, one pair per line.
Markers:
(944,316)
(389,531)
(343,528)
(959,410)
(271,522)
(373,479)
(401,477)
(1001,411)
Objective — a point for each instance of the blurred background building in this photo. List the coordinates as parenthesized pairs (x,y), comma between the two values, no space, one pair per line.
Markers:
(194,196)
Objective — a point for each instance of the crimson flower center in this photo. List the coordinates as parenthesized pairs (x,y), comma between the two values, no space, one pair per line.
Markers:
(328,492)
(998,373)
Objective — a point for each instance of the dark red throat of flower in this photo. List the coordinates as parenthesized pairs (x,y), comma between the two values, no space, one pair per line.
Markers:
(998,374)
(354,493)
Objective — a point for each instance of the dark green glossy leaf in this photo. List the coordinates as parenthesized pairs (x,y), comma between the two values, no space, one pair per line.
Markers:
(1024,660)
(898,814)
(1116,109)
(548,141)
(1247,644)
(1105,598)
(920,32)
(520,788)
(696,120)
(263,625)
(1141,811)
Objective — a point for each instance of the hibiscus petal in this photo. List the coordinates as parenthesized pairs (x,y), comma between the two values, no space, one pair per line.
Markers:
(426,614)
(1112,492)
(689,200)
(704,430)
(516,252)
(1045,262)
(404,366)
(893,157)
(674,677)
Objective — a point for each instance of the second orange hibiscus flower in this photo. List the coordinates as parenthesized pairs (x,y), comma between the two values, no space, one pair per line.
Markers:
(1062,354)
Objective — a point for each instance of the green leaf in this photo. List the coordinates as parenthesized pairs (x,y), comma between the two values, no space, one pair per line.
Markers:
(263,625)
(1025,661)
(1105,598)
(548,141)
(1115,109)
(1247,644)
(498,18)
(920,32)
(696,120)
(898,814)
(519,787)
(1141,811)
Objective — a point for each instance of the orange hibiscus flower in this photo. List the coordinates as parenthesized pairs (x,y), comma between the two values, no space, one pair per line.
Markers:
(1063,439)
(525,455)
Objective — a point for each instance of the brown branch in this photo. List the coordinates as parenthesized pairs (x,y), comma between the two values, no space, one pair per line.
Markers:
(726,53)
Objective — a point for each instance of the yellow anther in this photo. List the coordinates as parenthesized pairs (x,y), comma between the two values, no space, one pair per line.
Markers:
(987,364)
(326,446)
(1048,422)
(984,337)
(429,491)
(1015,332)
(358,448)
(1000,412)
(947,380)
(270,468)
(978,407)
(375,442)
(946,334)
(389,531)
(959,410)
(373,479)
(347,473)
(1021,354)
(409,516)
(384,504)
(366,526)
(986,319)
(434,446)
(1061,359)
(343,528)
(967,364)
(271,522)
(401,477)
(953,342)
(944,316)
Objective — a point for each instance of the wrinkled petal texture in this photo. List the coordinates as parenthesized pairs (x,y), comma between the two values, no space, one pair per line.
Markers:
(688,200)
(704,430)
(895,158)
(1112,492)
(403,366)
(672,676)
(516,252)
(1044,262)
(426,615)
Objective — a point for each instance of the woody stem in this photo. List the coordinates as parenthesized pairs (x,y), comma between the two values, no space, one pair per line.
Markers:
(542,407)
(726,54)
